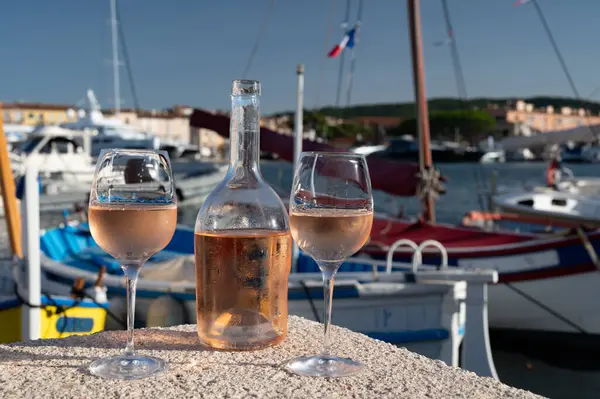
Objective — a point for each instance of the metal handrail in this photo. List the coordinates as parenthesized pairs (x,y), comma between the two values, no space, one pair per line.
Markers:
(395,246)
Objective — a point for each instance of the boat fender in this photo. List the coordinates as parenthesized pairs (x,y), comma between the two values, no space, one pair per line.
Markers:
(166,311)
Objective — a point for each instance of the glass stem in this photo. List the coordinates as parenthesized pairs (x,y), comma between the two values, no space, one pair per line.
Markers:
(131,276)
(328,269)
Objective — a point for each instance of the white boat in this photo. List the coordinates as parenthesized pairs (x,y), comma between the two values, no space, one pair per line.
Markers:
(15,134)
(109,132)
(59,155)
(553,205)
(66,168)
(368,149)
(494,156)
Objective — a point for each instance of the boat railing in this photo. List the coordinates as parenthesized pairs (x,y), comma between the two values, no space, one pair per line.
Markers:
(476,350)
(568,172)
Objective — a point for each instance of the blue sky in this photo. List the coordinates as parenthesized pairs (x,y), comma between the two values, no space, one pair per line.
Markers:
(188,51)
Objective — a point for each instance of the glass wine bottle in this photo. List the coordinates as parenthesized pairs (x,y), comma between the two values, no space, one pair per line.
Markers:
(243,244)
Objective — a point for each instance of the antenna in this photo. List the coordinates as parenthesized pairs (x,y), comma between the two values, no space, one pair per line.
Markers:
(115,60)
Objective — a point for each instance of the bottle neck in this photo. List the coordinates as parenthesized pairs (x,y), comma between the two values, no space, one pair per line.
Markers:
(245,132)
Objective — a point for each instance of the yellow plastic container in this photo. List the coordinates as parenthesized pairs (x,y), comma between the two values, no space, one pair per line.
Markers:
(60,317)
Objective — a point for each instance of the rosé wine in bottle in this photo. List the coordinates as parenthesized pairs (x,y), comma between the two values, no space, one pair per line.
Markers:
(242,244)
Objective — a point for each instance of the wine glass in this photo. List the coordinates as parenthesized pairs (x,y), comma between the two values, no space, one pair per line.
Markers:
(331,214)
(132,215)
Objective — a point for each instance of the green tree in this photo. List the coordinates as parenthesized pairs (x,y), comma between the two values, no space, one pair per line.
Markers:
(349,130)
(468,125)
(318,121)
(311,120)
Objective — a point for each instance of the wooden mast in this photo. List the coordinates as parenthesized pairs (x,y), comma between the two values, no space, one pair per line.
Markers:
(7,186)
(416,47)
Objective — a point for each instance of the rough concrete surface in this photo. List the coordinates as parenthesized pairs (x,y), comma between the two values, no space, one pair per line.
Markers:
(58,368)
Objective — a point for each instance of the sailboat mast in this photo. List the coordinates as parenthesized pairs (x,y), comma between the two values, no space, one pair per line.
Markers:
(115,57)
(416,48)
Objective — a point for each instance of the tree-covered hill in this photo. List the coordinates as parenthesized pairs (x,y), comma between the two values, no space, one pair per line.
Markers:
(407,110)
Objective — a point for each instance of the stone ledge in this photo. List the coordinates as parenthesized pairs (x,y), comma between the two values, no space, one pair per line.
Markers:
(57,368)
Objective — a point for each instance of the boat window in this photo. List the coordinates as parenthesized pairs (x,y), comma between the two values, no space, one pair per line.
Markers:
(189,154)
(61,145)
(29,145)
(402,146)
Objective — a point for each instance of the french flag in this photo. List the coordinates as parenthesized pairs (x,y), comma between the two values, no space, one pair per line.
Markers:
(347,42)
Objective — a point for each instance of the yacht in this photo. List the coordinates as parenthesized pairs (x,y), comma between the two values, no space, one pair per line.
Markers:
(15,134)
(58,153)
(109,132)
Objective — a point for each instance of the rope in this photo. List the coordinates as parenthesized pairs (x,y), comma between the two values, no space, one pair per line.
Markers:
(560,57)
(82,294)
(429,184)
(79,296)
(324,59)
(261,32)
(480,186)
(459,77)
(353,55)
(341,71)
(59,309)
(311,301)
(547,309)
(136,102)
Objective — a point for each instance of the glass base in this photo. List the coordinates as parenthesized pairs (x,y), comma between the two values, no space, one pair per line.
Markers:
(127,367)
(323,366)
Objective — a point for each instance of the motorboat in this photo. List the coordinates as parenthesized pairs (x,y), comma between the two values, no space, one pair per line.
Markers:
(109,133)
(66,169)
(15,134)
(401,149)
(59,155)
(553,205)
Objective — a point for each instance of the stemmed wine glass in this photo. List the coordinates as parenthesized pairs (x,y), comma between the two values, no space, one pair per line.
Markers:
(132,216)
(331,214)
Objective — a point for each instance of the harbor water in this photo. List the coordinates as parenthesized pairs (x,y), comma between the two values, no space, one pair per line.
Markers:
(465,183)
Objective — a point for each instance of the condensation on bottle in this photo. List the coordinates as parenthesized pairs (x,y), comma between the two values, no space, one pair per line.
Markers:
(243,245)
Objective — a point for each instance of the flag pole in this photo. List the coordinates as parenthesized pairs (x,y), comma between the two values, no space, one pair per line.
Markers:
(341,71)
(298,136)
(353,55)
(299,119)
(416,46)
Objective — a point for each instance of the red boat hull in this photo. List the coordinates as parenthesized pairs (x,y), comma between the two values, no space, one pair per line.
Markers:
(517,257)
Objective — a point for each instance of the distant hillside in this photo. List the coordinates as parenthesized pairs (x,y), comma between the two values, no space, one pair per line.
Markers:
(407,110)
